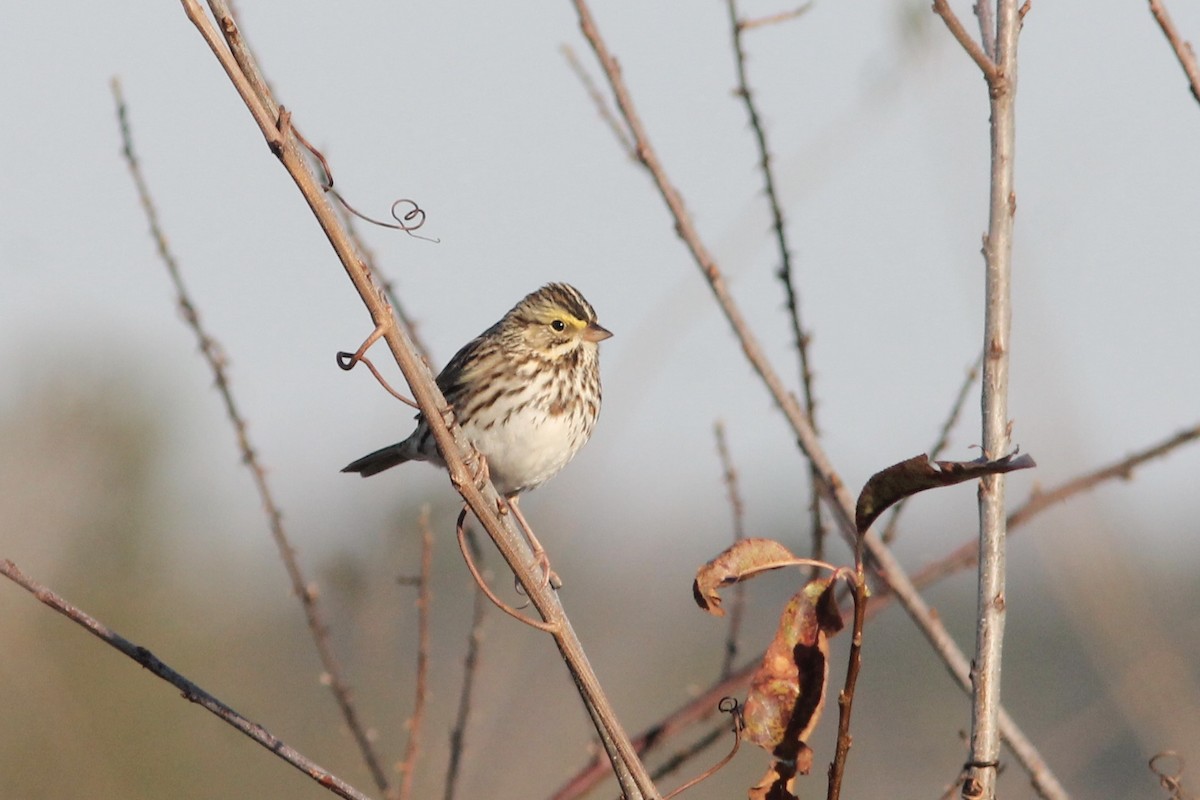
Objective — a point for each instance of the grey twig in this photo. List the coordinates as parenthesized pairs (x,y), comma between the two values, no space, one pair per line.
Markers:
(997,254)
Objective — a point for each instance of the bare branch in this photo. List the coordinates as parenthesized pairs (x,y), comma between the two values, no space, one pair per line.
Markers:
(884,565)
(602,107)
(412,749)
(987,65)
(1183,50)
(967,554)
(470,670)
(480,496)
(775,19)
(214,355)
(997,252)
(737,608)
(791,296)
(846,697)
(943,438)
(987,27)
(191,692)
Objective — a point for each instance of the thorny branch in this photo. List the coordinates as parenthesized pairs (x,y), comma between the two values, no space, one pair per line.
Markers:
(785,271)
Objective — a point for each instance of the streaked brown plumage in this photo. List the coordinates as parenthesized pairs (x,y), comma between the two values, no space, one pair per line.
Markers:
(526,392)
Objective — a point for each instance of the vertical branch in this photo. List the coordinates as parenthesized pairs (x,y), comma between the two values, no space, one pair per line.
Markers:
(791,296)
(837,767)
(470,669)
(737,608)
(997,252)
(412,748)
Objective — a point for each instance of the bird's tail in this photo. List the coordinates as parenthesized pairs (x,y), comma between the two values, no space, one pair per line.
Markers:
(384,458)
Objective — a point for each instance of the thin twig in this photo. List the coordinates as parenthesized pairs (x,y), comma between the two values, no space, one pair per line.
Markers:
(598,100)
(943,439)
(1183,50)
(453,445)
(884,564)
(389,289)
(708,773)
(791,297)
(686,754)
(977,54)
(191,692)
(470,671)
(774,19)
(987,27)
(737,606)
(837,768)
(412,749)
(215,357)
(695,710)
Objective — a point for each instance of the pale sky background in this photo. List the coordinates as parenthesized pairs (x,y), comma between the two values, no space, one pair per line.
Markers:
(878,126)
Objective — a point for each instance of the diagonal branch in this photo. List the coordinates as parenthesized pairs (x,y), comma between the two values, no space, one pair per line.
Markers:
(884,564)
(191,691)
(480,496)
(981,59)
(1183,50)
(964,557)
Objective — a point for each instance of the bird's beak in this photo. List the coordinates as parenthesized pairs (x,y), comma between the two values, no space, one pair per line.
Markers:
(596,333)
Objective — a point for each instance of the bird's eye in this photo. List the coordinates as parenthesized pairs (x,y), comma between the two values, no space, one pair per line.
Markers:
(558,325)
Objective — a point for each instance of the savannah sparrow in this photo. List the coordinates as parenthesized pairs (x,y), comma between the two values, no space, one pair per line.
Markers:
(526,392)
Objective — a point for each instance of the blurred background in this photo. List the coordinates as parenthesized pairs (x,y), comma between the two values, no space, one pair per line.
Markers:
(123,490)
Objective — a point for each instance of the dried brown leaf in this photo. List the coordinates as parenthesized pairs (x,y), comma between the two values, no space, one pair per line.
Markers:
(787,692)
(738,562)
(918,474)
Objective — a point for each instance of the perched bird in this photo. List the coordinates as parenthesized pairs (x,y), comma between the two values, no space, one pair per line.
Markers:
(526,392)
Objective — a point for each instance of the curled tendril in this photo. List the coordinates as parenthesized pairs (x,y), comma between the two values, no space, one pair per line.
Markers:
(409,223)
(1170,779)
(727,705)
(347,361)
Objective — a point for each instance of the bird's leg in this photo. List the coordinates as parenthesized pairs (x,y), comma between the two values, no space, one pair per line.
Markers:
(550,578)
(480,472)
